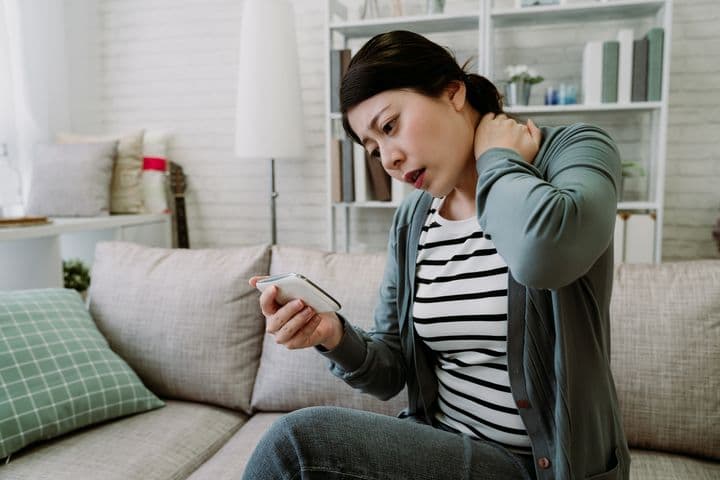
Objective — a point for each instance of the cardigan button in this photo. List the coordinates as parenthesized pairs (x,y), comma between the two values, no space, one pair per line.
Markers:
(523,404)
(543,463)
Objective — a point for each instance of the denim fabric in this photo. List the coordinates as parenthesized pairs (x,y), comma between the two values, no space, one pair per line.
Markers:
(341,443)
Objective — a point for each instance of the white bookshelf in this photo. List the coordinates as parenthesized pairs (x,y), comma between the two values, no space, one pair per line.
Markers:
(486,19)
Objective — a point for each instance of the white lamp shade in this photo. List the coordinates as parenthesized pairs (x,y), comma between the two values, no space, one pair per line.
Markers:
(269,121)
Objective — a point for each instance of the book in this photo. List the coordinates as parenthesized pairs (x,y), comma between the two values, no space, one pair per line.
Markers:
(640,238)
(335,80)
(400,190)
(611,52)
(379,180)
(639,73)
(336,170)
(655,63)
(625,60)
(345,57)
(363,192)
(339,61)
(592,73)
(23,221)
(348,171)
(619,238)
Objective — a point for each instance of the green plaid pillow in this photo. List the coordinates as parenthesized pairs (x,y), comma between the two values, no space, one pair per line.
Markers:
(57,372)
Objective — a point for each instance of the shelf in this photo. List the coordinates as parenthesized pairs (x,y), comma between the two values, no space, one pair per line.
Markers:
(621,205)
(82,224)
(637,206)
(423,24)
(582,108)
(585,12)
(367,204)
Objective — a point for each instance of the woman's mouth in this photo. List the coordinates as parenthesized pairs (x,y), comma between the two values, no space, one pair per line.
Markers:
(416,177)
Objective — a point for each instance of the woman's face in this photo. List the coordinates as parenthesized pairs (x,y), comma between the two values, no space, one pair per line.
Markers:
(422,140)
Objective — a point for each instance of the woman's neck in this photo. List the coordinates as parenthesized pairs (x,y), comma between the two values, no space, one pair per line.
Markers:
(460,204)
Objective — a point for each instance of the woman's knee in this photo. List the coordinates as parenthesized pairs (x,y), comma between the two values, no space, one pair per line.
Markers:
(299,423)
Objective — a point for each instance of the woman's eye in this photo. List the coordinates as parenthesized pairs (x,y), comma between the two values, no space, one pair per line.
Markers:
(387,128)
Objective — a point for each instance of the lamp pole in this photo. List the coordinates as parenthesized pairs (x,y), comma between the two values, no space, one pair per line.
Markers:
(273,203)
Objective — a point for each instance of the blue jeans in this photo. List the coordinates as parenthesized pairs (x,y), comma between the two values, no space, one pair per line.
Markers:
(341,443)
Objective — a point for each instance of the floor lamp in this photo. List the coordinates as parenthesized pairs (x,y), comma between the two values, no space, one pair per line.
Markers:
(269,120)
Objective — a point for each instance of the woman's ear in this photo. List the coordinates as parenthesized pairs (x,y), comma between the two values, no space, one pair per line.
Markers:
(456,92)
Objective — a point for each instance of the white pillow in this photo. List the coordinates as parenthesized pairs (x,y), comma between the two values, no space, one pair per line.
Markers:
(71,180)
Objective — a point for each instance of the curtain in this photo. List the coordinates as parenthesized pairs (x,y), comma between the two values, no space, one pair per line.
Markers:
(38,78)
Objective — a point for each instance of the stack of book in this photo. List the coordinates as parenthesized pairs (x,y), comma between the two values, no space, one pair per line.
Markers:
(624,70)
(634,237)
(358,178)
(23,221)
(355,176)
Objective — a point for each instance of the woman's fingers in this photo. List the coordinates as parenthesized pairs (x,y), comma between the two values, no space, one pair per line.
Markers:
(282,315)
(268,303)
(296,319)
(253,281)
(305,336)
(535,132)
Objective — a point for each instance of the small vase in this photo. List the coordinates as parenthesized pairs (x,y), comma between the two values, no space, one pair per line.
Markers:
(435,6)
(517,93)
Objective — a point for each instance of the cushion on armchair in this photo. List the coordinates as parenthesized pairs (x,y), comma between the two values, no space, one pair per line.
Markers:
(291,379)
(187,321)
(57,372)
(666,355)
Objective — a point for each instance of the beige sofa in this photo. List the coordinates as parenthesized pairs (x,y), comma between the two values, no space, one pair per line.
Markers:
(189,325)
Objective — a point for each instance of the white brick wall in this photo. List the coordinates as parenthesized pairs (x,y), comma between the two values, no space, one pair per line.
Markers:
(173,64)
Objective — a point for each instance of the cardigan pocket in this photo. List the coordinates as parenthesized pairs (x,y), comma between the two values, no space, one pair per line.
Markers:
(611,474)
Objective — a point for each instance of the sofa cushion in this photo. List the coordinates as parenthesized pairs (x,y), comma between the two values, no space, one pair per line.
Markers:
(164,444)
(126,192)
(292,379)
(650,465)
(186,320)
(666,355)
(71,180)
(57,373)
(229,463)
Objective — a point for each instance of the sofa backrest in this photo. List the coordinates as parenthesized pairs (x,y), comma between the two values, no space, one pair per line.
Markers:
(291,379)
(665,355)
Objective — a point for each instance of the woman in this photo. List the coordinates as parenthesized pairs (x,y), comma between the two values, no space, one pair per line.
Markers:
(495,299)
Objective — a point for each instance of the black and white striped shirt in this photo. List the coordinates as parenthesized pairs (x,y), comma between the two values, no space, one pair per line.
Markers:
(460,312)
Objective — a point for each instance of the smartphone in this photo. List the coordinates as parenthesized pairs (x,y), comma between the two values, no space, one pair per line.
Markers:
(293,285)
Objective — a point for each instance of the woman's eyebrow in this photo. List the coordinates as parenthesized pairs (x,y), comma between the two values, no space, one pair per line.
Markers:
(374,121)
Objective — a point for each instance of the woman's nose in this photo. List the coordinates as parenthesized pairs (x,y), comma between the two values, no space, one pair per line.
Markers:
(393,160)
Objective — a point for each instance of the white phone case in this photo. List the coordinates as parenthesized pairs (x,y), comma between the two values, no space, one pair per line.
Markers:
(293,285)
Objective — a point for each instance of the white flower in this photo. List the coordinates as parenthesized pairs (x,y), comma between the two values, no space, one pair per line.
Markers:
(516,73)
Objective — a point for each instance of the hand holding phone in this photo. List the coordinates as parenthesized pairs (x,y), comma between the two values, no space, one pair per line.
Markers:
(293,286)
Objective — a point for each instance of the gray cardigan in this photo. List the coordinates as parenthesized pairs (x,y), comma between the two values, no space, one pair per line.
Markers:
(552,222)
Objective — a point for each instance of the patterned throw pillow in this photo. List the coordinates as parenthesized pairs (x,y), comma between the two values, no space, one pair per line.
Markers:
(126,193)
(57,372)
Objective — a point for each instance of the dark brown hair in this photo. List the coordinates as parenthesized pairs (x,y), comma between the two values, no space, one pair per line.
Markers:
(402,59)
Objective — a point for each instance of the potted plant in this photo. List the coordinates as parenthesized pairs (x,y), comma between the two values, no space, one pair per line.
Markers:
(519,81)
(633,176)
(76,276)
